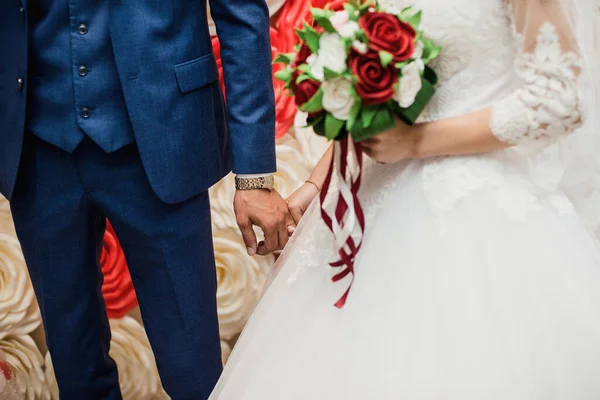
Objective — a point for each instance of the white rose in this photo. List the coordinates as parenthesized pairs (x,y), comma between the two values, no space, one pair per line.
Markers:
(349,29)
(418,53)
(337,99)
(316,67)
(331,55)
(391,6)
(19,312)
(409,86)
(26,364)
(360,47)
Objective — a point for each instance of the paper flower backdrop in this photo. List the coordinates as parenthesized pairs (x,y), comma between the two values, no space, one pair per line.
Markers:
(119,294)
(19,313)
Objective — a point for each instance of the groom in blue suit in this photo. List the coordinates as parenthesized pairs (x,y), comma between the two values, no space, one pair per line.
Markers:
(112,108)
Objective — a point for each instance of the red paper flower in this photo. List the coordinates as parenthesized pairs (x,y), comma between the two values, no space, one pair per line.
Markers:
(387,33)
(117,289)
(375,83)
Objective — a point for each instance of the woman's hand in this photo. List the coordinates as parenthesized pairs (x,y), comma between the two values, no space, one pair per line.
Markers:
(299,201)
(396,144)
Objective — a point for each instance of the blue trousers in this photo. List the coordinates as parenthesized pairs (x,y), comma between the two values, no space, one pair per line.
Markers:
(59,208)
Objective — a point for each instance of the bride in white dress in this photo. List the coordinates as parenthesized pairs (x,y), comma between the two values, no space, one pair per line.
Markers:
(479,276)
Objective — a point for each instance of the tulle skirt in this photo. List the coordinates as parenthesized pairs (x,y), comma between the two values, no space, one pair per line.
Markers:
(465,289)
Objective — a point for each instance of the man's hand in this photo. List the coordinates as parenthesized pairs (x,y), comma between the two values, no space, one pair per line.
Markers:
(269,211)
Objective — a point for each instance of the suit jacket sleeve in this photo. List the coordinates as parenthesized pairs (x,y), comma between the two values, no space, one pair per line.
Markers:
(243,31)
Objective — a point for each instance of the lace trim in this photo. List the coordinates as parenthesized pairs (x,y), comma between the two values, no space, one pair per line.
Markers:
(547,106)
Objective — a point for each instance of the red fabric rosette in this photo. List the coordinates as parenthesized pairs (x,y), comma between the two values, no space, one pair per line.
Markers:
(117,289)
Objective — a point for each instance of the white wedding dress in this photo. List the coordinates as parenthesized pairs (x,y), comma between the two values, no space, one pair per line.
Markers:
(479,276)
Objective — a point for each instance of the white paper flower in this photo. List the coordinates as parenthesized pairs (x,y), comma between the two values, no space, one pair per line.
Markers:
(6,224)
(138,375)
(337,99)
(26,363)
(50,377)
(348,30)
(240,280)
(360,47)
(331,55)
(19,313)
(225,351)
(409,85)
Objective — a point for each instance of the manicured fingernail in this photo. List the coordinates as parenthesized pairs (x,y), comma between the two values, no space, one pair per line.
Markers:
(251,251)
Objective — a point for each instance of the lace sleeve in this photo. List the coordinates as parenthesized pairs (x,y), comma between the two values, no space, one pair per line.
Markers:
(547,105)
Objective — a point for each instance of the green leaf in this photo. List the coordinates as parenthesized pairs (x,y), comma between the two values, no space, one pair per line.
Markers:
(300,34)
(319,126)
(329,74)
(326,24)
(353,115)
(351,10)
(304,68)
(321,13)
(315,121)
(314,104)
(284,58)
(406,13)
(382,121)
(385,58)
(401,65)
(333,126)
(367,115)
(415,20)
(303,77)
(284,75)
(311,37)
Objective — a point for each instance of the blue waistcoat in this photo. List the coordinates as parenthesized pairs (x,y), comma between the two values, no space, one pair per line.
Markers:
(187,136)
(74,82)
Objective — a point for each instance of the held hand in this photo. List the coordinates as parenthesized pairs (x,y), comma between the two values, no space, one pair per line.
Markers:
(269,211)
(299,201)
(396,144)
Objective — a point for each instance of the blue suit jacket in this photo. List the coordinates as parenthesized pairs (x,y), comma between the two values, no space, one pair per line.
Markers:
(187,138)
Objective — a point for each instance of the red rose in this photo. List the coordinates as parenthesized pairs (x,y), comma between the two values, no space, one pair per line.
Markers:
(387,33)
(301,56)
(305,90)
(375,83)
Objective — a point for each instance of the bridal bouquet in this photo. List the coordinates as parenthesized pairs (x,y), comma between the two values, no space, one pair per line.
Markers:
(353,71)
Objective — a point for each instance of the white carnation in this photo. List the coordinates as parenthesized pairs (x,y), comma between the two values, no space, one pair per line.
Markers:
(337,99)
(349,29)
(331,54)
(409,86)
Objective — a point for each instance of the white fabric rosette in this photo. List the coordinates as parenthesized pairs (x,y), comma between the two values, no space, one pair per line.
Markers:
(25,361)
(19,313)
(240,280)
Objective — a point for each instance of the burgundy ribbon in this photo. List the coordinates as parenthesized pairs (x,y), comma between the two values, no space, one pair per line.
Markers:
(348,252)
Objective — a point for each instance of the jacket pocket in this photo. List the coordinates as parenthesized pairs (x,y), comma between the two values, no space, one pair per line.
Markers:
(196,73)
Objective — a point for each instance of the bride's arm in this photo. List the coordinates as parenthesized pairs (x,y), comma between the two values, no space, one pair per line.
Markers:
(544,108)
